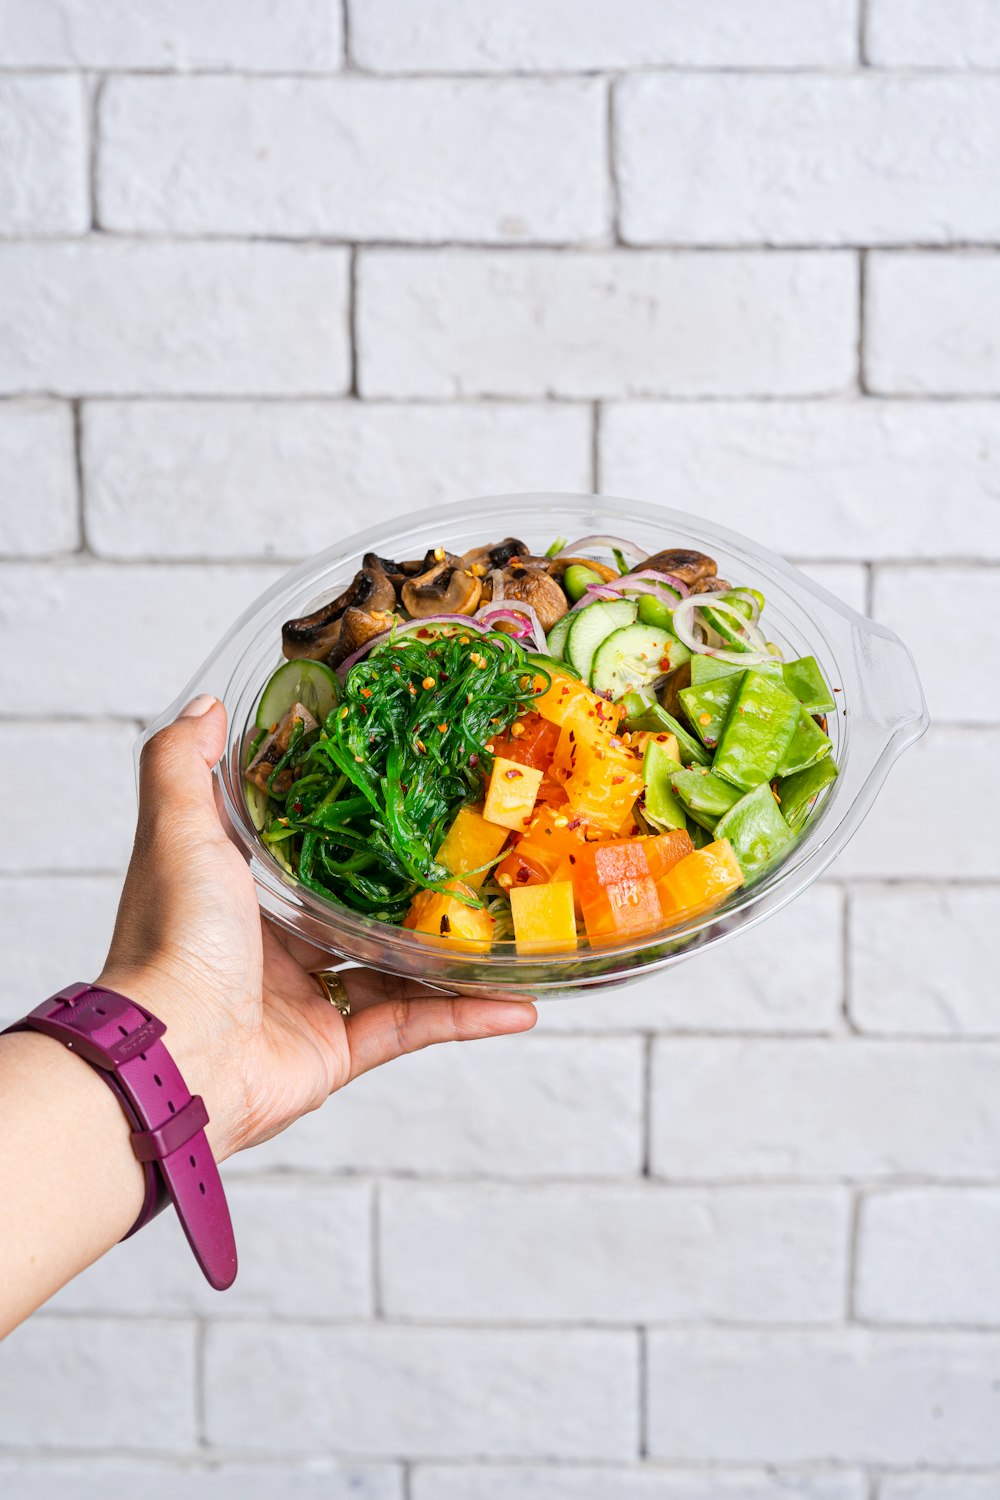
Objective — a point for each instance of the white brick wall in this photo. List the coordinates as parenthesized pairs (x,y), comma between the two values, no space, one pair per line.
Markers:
(267,271)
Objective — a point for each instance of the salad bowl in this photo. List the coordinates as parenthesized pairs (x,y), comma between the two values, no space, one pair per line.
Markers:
(880,712)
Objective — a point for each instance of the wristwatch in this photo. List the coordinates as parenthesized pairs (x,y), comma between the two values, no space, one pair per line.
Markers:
(124,1042)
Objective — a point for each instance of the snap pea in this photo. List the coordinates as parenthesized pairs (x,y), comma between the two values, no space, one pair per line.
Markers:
(707,707)
(796,793)
(755,828)
(707,668)
(578,579)
(653,611)
(757,732)
(662,805)
(804,678)
(706,796)
(645,713)
(807,745)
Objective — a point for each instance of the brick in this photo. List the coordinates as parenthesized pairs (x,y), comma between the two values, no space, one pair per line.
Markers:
(649,1482)
(582,1254)
(41,1479)
(83,1383)
(811,1109)
(174,616)
(860,479)
(500,161)
(933,324)
(442,36)
(918,961)
(450,324)
(894,843)
(252,35)
(37,479)
(424,1392)
(107,317)
(305,1251)
(75,804)
(956,667)
(190,479)
(869,159)
(928,1255)
(847,1395)
(933,33)
(754,984)
(82,907)
(43,168)
(448,1110)
(939,1487)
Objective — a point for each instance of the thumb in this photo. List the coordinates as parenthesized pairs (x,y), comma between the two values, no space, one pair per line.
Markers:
(175,770)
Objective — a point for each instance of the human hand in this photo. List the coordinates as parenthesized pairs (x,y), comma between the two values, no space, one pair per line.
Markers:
(246,1023)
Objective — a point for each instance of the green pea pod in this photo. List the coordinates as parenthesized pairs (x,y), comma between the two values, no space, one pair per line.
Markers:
(756,830)
(706,796)
(646,714)
(757,732)
(806,681)
(707,706)
(661,804)
(797,793)
(706,668)
(807,745)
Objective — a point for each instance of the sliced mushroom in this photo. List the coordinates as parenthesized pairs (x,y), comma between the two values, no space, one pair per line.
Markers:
(481,560)
(357,628)
(445,589)
(710,586)
(689,567)
(534,586)
(675,682)
(260,769)
(556,567)
(318,634)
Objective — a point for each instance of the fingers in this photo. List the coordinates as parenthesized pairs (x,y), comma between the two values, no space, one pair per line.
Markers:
(175,772)
(379,1033)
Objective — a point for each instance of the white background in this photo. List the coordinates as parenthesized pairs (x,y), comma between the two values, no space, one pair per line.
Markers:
(269,273)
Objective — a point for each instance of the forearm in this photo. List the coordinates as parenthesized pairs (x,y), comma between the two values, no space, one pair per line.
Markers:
(70,1187)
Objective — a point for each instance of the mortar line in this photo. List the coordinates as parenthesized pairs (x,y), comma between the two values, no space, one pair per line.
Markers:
(375,1229)
(845,958)
(643,1394)
(853,1247)
(863,384)
(406,1470)
(346,52)
(647,1104)
(595,448)
(83,548)
(862,33)
(611,147)
(93,127)
(200,1414)
(352,321)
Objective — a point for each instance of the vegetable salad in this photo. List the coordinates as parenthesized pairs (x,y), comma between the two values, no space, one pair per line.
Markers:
(587,745)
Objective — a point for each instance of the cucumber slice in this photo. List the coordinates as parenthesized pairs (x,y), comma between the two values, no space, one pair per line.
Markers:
(592,625)
(633,657)
(550,665)
(578,579)
(310,683)
(556,638)
(256,802)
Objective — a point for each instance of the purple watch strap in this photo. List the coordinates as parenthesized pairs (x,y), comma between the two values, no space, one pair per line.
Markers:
(124,1042)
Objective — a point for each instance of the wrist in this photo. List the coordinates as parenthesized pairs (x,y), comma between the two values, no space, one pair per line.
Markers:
(202,1058)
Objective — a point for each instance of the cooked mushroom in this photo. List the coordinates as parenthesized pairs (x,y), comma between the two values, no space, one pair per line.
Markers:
(557,566)
(710,586)
(445,589)
(534,586)
(689,567)
(357,627)
(317,634)
(481,560)
(677,680)
(273,748)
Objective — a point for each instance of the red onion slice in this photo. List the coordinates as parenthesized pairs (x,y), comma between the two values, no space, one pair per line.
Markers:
(514,611)
(670,579)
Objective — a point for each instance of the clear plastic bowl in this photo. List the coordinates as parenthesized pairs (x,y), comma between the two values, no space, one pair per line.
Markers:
(881,711)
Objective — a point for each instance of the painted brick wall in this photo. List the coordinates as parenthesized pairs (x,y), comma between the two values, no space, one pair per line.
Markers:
(265,269)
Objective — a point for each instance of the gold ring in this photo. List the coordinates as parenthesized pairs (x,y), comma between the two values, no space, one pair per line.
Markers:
(335,989)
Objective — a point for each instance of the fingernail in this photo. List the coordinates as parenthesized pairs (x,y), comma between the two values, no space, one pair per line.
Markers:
(198,706)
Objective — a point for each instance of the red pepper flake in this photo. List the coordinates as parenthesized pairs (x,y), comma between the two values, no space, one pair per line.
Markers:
(523,875)
(572,858)
(838,690)
(661,739)
(635,829)
(366,692)
(423,634)
(572,736)
(296,807)
(513,775)
(574,823)
(664,663)
(617,780)
(445,924)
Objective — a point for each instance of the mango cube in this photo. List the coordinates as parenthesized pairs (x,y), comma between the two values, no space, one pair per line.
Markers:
(510,797)
(699,881)
(544,917)
(442,916)
(469,844)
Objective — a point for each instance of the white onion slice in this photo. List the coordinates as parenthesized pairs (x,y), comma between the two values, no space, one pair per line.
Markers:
(612,543)
(697,635)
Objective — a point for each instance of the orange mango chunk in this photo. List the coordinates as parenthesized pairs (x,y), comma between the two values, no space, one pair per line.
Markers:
(569,698)
(511,794)
(544,918)
(530,740)
(664,850)
(605,785)
(550,836)
(699,881)
(616,891)
(442,916)
(470,843)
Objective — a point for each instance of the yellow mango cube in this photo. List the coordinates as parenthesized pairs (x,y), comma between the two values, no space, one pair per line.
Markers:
(604,787)
(700,880)
(442,916)
(511,794)
(469,844)
(544,917)
(569,698)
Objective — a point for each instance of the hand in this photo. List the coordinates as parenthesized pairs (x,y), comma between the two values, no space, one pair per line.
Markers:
(246,1022)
